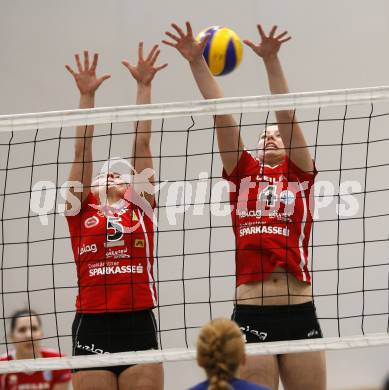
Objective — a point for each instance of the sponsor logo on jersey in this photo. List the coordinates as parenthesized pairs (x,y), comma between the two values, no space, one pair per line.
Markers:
(264,229)
(121,211)
(285,217)
(116,269)
(117,254)
(287,197)
(139,243)
(134,216)
(91,222)
(249,213)
(270,179)
(88,248)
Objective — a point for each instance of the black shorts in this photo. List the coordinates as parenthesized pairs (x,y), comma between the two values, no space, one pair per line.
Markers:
(277,323)
(113,332)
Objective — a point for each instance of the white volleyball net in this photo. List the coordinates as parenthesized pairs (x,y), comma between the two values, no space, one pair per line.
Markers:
(347,131)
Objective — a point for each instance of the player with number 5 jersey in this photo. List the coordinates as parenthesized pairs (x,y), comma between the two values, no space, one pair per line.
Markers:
(111,229)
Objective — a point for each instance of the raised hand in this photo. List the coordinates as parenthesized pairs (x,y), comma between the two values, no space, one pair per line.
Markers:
(270,44)
(185,43)
(144,71)
(86,79)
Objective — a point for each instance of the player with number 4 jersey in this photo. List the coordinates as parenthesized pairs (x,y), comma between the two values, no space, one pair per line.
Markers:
(271,215)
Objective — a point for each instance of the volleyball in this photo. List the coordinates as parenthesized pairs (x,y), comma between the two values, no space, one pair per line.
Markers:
(224,50)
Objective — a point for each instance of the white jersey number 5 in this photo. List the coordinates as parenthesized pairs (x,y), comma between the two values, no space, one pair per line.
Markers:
(115,229)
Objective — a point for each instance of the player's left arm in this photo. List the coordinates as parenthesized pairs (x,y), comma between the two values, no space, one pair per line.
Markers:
(143,73)
(291,133)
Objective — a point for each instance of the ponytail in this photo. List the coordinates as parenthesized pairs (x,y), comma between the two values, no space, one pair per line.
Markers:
(220,351)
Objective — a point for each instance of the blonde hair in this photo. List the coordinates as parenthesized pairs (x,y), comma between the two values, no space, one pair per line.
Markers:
(220,351)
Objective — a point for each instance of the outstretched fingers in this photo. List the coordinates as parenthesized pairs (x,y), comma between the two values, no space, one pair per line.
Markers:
(261,31)
(94,62)
(158,68)
(140,51)
(282,35)
(153,55)
(179,29)
(102,78)
(272,31)
(70,70)
(285,40)
(85,67)
(189,30)
(169,43)
(126,63)
(205,40)
(250,44)
(173,36)
(78,62)
(86,60)
(129,66)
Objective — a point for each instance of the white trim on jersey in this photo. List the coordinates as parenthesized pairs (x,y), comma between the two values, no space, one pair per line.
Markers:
(76,335)
(267,165)
(260,161)
(151,280)
(302,233)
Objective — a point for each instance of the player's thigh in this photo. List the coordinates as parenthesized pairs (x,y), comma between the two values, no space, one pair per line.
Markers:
(262,370)
(94,380)
(303,370)
(142,377)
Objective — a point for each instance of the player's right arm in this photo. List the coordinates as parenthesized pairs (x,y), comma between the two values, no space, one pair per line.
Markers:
(228,134)
(296,147)
(82,167)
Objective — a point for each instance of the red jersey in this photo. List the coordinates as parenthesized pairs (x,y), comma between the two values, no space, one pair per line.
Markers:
(114,258)
(35,380)
(272,217)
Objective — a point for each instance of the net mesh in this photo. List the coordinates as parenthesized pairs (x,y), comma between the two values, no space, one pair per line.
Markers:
(194,242)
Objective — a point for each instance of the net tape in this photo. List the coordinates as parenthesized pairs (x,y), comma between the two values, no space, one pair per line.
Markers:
(172,355)
(243,105)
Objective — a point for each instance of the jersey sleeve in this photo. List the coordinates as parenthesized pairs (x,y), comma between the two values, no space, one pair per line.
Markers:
(295,173)
(138,202)
(75,220)
(247,166)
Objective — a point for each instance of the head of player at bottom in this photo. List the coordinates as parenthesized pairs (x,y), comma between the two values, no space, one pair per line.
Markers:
(221,352)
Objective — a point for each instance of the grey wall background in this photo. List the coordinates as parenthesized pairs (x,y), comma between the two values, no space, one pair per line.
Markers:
(335,45)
